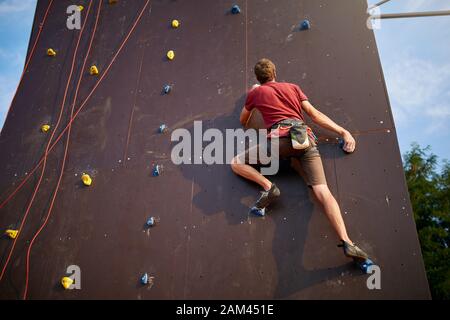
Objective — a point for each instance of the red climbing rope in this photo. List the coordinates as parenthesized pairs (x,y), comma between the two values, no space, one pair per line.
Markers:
(79,109)
(36,189)
(25,68)
(64,157)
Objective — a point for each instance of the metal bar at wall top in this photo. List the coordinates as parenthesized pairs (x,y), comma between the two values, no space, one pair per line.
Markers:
(411,14)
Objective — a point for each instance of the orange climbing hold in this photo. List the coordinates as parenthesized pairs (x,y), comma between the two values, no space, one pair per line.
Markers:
(112,1)
(45,128)
(66,282)
(51,52)
(12,233)
(171,55)
(94,70)
(175,23)
(87,180)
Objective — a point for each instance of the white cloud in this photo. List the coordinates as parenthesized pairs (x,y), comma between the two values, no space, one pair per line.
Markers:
(440,119)
(12,6)
(419,89)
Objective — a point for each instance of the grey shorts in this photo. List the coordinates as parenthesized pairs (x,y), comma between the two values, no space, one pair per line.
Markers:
(307,163)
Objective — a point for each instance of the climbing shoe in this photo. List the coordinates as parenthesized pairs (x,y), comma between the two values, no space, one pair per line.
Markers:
(353,251)
(267,197)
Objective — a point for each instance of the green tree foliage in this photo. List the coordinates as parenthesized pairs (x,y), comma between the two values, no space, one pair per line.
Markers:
(429,191)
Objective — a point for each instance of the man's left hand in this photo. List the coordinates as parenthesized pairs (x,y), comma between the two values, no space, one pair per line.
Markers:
(349,142)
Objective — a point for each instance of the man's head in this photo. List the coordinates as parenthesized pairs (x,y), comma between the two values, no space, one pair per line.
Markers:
(265,70)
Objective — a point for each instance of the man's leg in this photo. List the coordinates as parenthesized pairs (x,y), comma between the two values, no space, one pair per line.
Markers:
(332,211)
(240,166)
(250,173)
(310,166)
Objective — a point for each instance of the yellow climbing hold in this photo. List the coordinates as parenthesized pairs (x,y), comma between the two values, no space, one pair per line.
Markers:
(170,55)
(93,70)
(66,282)
(51,52)
(12,233)
(175,23)
(86,179)
(80,8)
(45,128)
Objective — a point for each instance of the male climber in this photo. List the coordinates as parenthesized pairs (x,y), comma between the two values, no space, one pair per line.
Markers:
(281,106)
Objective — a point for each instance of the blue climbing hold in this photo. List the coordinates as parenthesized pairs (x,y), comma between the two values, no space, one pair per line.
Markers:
(341,143)
(167,88)
(258,212)
(163,128)
(157,170)
(365,265)
(305,25)
(235,9)
(144,278)
(150,222)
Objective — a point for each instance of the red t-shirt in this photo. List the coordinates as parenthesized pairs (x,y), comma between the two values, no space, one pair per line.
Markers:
(276,101)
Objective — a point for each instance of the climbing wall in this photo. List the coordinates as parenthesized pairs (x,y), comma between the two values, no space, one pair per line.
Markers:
(204,244)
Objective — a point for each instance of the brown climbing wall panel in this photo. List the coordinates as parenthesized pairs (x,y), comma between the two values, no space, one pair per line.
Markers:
(205,244)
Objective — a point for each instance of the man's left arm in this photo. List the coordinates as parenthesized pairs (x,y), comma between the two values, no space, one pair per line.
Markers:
(325,122)
(245,115)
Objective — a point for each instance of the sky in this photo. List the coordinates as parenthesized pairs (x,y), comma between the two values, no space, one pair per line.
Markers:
(415,55)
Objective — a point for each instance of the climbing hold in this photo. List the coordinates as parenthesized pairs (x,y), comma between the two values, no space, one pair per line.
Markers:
(112,1)
(66,282)
(150,222)
(364,265)
(157,170)
(45,128)
(12,233)
(93,71)
(175,23)
(167,88)
(258,211)
(235,9)
(305,25)
(170,55)
(80,8)
(87,180)
(51,52)
(146,279)
(163,128)
(341,143)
